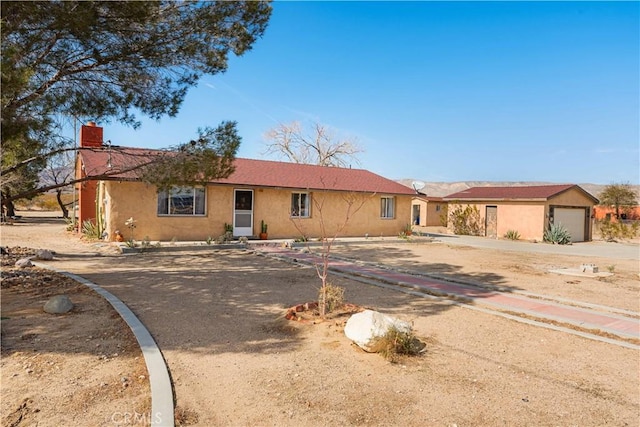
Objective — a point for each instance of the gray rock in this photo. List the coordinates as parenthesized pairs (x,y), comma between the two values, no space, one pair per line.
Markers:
(365,328)
(44,254)
(24,262)
(58,305)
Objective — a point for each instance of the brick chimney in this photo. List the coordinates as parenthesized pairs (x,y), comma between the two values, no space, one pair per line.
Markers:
(91,135)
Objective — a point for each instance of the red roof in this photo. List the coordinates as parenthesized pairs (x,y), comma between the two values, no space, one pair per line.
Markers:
(249,172)
(534,192)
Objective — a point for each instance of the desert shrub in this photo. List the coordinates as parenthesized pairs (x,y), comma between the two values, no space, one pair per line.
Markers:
(333,297)
(45,202)
(399,343)
(466,221)
(224,238)
(443,219)
(71,224)
(557,234)
(512,235)
(612,231)
(145,244)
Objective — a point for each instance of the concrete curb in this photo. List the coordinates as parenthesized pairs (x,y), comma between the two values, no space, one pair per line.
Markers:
(162,410)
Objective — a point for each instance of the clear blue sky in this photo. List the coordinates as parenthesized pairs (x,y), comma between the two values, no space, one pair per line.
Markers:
(438,91)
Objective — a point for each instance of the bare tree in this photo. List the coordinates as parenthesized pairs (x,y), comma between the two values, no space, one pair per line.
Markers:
(329,232)
(59,171)
(320,146)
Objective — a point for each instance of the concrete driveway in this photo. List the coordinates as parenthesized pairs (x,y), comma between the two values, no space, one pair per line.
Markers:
(595,248)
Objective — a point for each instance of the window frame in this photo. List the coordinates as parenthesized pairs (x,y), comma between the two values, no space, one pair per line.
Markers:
(292,208)
(384,208)
(172,194)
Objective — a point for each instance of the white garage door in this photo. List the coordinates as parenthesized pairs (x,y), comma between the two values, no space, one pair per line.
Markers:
(572,220)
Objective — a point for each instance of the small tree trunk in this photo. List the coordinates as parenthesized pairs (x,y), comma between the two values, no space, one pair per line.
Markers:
(9,207)
(63,208)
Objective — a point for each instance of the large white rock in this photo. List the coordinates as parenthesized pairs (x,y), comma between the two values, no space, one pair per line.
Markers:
(365,328)
(44,254)
(24,263)
(59,304)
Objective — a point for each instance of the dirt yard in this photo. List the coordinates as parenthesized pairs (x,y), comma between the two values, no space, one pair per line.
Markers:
(217,317)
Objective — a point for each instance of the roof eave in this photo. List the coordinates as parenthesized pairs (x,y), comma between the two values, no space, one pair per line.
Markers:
(479,199)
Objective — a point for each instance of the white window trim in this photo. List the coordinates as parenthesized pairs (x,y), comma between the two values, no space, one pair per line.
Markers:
(393,207)
(308,194)
(193,191)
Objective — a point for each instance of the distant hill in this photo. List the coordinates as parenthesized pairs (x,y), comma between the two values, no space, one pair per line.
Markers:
(441,189)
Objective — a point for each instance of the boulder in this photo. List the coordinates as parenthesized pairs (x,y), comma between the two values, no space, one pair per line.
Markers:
(24,262)
(58,305)
(367,327)
(44,255)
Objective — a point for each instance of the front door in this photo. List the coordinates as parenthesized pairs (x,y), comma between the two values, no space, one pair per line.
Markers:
(243,213)
(415,220)
(491,222)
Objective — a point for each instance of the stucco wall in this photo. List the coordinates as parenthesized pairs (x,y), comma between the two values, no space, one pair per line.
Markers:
(572,197)
(527,218)
(133,199)
(429,215)
(530,218)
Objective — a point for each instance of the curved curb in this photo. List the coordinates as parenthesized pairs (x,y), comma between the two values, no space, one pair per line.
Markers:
(162,411)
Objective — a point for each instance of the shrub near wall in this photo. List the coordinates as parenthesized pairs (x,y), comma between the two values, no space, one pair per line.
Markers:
(617,230)
(466,220)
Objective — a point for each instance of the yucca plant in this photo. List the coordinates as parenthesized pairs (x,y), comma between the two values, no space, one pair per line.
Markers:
(90,230)
(512,235)
(557,234)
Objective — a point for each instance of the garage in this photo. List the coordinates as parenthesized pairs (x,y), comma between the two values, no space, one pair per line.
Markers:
(527,210)
(573,220)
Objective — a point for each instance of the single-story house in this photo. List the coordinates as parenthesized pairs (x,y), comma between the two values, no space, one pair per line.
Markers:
(631,213)
(428,211)
(530,210)
(293,200)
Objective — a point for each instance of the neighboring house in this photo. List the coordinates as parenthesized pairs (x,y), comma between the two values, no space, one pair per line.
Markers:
(530,210)
(428,211)
(626,213)
(292,199)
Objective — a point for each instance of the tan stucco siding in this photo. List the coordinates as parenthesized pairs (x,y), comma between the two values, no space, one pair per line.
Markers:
(133,199)
(531,218)
(525,218)
(140,201)
(329,209)
(431,213)
(571,197)
(575,199)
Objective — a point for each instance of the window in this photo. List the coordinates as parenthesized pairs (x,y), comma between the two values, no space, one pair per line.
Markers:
(181,201)
(387,207)
(437,208)
(300,204)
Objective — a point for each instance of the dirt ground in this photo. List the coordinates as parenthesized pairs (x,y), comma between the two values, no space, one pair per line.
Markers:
(217,317)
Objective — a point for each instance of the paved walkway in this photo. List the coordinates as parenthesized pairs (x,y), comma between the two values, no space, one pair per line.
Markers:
(583,318)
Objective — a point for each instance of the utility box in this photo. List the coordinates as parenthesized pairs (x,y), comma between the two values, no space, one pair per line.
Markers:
(589,268)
